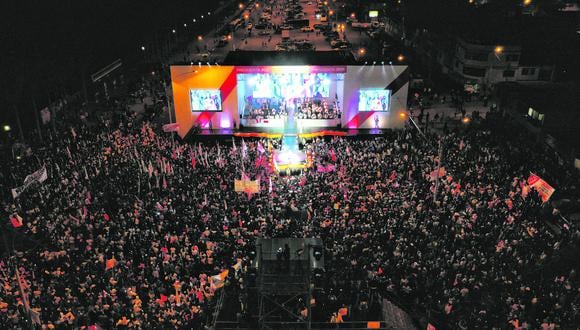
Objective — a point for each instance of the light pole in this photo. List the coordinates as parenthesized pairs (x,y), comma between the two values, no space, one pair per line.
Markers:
(497,51)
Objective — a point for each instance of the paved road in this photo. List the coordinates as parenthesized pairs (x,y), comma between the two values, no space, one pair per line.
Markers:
(244,39)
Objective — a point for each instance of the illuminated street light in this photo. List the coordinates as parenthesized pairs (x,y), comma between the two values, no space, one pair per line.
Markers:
(143,48)
(6,128)
(257,5)
(229,37)
(352,15)
(466,120)
(209,13)
(362,51)
(498,50)
(199,38)
(403,115)
(246,16)
(194,20)
(326,3)
(185,25)
(173,31)
(202,16)
(241,6)
(527,2)
(400,58)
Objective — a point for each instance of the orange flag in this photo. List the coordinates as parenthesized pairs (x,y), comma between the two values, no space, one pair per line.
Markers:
(110,263)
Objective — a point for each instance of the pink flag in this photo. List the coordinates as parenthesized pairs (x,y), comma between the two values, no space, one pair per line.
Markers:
(332,155)
(261,148)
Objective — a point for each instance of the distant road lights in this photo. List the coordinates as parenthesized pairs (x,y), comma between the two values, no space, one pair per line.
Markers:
(527,2)
(326,3)
(330,12)
(403,115)
(257,5)
(199,38)
(230,37)
(465,120)
(241,6)
(194,20)
(184,25)
(246,16)
(173,31)
(471,1)
(498,50)
(6,128)
(209,13)
(382,62)
(201,16)
(143,48)
(400,58)
(352,15)
(362,51)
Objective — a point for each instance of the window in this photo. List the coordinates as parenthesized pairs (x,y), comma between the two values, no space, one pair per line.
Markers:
(475,72)
(528,71)
(482,57)
(512,57)
(508,73)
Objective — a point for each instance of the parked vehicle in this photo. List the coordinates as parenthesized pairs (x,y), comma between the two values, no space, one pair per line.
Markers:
(307,29)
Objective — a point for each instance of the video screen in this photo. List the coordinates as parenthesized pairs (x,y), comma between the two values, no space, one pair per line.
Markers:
(374,100)
(205,100)
(289,85)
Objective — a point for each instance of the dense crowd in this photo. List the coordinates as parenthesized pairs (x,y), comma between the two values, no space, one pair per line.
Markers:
(307,108)
(131,226)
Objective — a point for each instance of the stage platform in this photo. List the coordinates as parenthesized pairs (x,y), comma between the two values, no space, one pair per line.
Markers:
(228,132)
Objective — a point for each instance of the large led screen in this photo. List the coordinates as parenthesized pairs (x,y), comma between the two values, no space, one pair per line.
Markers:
(374,100)
(289,85)
(205,100)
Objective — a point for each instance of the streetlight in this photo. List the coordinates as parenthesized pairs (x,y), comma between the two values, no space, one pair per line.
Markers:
(361,51)
(527,2)
(498,50)
(466,120)
(202,16)
(199,38)
(143,48)
(400,58)
(6,128)
(241,6)
(403,115)
(184,25)
(194,20)
(173,31)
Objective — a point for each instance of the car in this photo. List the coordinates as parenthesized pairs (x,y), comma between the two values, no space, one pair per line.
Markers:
(309,3)
(322,27)
(307,29)
(286,27)
(281,48)
(263,33)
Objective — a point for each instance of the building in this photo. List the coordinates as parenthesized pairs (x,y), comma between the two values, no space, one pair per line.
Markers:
(472,61)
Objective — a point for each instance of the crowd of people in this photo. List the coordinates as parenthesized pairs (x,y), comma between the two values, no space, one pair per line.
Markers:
(132,227)
(307,108)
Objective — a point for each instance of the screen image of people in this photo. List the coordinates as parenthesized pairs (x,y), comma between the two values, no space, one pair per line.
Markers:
(374,100)
(205,99)
(289,85)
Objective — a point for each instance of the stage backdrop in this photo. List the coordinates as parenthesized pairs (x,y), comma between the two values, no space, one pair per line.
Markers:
(368,96)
